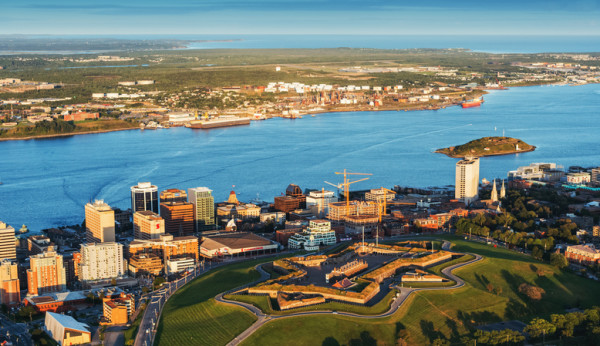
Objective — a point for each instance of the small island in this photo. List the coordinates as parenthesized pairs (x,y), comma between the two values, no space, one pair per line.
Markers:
(488,146)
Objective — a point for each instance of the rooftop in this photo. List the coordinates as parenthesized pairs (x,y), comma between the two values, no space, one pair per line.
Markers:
(234,241)
(69,322)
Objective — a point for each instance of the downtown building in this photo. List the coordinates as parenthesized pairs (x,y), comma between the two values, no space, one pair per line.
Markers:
(318,202)
(179,218)
(467,180)
(144,196)
(147,225)
(319,233)
(173,195)
(101,261)
(10,290)
(204,208)
(8,248)
(99,222)
(46,274)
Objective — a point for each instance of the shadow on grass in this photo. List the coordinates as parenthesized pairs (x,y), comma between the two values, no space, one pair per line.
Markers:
(330,341)
(473,319)
(365,340)
(428,329)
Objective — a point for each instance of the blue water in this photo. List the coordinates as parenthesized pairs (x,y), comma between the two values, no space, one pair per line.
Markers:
(47,182)
(481,43)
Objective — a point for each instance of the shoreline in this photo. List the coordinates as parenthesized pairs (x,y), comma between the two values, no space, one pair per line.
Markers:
(486,155)
(66,134)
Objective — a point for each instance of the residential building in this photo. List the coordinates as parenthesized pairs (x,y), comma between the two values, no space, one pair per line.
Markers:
(144,196)
(379,195)
(99,222)
(46,273)
(147,225)
(8,248)
(582,254)
(467,180)
(101,261)
(10,290)
(204,208)
(118,310)
(179,218)
(338,210)
(595,175)
(66,330)
(173,195)
(166,247)
(361,224)
(319,233)
(318,202)
(578,178)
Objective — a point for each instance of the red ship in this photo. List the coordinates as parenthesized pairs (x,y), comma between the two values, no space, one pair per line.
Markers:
(472,103)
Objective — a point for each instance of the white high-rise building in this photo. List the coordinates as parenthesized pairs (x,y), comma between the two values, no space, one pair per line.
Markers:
(467,180)
(101,261)
(8,249)
(318,202)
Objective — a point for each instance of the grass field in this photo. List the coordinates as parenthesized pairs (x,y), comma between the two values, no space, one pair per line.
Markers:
(429,315)
(192,316)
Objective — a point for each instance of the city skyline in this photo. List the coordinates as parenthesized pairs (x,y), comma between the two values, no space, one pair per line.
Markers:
(300,17)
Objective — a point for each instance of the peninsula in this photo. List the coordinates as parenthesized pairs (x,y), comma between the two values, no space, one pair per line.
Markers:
(488,146)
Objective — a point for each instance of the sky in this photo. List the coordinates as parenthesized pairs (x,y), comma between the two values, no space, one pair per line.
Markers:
(380,17)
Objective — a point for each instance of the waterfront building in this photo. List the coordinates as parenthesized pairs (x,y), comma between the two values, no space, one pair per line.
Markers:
(99,222)
(241,211)
(8,241)
(66,330)
(166,247)
(101,261)
(319,232)
(145,264)
(318,202)
(235,245)
(467,180)
(578,178)
(277,217)
(287,203)
(46,273)
(118,310)
(173,195)
(537,171)
(179,218)
(595,175)
(147,225)
(204,208)
(144,196)
(123,218)
(10,289)
(37,244)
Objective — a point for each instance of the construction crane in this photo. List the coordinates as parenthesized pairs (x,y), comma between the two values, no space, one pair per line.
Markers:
(346,184)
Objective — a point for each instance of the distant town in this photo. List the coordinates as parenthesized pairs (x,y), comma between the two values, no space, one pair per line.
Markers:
(110,269)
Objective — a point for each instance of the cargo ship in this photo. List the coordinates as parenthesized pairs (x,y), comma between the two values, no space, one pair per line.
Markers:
(218,122)
(472,103)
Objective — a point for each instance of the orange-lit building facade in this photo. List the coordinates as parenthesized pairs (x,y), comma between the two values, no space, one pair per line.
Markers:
(10,293)
(46,273)
(166,247)
(173,195)
(147,225)
(179,218)
(118,310)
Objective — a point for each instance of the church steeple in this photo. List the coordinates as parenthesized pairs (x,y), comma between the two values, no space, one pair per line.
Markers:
(494,197)
(502,190)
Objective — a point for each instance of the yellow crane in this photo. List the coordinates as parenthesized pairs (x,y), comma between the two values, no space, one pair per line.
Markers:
(346,184)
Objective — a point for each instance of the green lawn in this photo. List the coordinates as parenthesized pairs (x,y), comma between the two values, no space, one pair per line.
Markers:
(429,315)
(192,316)
(131,332)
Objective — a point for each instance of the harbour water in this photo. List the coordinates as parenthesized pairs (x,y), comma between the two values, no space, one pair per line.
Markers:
(48,181)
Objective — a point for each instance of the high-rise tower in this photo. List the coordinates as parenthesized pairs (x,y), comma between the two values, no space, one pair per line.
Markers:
(467,180)
(144,196)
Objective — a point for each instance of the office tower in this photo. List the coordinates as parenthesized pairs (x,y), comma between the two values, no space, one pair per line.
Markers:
(147,225)
(101,261)
(318,202)
(10,290)
(179,218)
(144,196)
(467,180)
(99,222)
(173,195)
(46,273)
(204,207)
(8,242)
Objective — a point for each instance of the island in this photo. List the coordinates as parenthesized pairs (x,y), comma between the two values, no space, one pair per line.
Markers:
(488,146)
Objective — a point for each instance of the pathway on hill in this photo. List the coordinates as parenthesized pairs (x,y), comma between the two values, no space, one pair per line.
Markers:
(263,318)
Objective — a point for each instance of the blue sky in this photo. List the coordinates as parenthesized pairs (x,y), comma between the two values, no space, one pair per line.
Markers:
(110,17)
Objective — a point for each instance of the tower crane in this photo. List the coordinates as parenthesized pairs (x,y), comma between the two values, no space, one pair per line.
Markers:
(346,184)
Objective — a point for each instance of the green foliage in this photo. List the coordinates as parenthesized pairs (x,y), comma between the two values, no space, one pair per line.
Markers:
(559,260)
(499,337)
(539,327)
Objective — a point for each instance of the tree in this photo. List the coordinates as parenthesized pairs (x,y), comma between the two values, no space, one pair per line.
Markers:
(559,260)
(490,287)
(532,292)
(540,327)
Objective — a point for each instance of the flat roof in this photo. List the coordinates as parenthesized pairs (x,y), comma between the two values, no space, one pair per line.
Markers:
(234,241)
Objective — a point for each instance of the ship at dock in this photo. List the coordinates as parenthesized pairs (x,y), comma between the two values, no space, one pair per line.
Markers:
(222,121)
(472,103)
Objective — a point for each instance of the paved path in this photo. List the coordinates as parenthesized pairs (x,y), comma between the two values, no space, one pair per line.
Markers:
(263,318)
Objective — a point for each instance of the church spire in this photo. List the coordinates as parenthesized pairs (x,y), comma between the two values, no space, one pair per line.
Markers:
(494,197)
(502,190)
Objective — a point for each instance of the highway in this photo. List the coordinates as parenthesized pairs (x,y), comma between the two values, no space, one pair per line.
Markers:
(263,318)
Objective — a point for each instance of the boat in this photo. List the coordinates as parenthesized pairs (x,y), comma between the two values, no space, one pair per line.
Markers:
(223,121)
(472,103)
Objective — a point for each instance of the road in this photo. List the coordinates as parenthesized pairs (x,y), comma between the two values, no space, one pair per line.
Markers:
(263,318)
(17,332)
